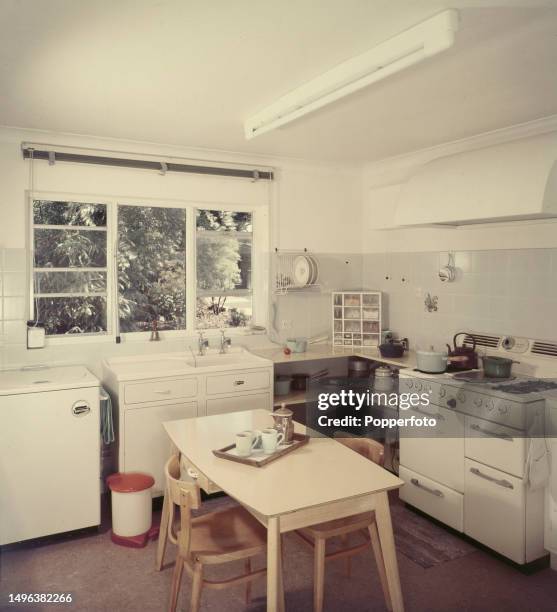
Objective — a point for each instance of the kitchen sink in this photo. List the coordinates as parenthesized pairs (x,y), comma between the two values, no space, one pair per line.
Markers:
(183,362)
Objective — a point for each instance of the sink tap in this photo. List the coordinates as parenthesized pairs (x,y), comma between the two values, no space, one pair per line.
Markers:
(203,344)
(224,342)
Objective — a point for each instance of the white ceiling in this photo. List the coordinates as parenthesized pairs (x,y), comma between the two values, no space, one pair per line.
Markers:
(187,72)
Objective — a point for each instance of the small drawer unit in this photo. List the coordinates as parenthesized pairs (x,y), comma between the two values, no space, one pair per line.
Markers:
(433,498)
(160,390)
(188,471)
(356,318)
(238,382)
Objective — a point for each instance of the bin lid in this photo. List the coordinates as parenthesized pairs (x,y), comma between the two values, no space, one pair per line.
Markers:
(129,482)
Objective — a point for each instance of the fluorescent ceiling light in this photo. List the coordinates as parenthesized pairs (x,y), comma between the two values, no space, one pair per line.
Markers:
(401,51)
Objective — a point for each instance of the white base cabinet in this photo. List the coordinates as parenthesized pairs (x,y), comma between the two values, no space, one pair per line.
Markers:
(145,445)
(141,406)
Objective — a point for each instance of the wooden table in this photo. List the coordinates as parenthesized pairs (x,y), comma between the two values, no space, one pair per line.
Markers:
(322,481)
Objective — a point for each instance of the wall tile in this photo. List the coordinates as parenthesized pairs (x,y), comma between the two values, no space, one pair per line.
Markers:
(14,308)
(15,284)
(15,260)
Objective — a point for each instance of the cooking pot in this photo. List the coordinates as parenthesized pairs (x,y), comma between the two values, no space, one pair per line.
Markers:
(463,357)
(497,367)
(392,349)
(431,362)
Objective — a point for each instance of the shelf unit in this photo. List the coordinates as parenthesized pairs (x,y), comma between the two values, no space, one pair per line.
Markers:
(356,318)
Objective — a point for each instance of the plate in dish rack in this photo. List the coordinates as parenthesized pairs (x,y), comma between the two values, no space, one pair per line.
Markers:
(301,271)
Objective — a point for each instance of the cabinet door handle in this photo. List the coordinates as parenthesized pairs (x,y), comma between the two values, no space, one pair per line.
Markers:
(80,408)
(239,382)
(501,482)
(165,392)
(491,434)
(418,484)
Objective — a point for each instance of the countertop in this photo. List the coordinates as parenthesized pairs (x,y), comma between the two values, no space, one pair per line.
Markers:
(327,351)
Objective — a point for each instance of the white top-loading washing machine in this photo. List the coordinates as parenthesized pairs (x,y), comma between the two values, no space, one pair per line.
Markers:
(550,540)
(49,452)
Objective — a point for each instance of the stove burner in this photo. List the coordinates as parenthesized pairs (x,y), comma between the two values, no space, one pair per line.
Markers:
(480,378)
(527,386)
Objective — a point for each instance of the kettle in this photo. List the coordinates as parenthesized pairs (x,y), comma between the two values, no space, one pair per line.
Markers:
(463,357)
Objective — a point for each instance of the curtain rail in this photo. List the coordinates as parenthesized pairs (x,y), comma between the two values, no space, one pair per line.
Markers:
(122,162)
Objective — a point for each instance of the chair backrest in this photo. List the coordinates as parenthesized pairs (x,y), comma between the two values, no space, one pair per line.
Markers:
(367,447)
(185,495)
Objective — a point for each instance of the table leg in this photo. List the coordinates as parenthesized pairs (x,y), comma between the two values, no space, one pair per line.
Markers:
(275,591)
(385,528)
(163,533)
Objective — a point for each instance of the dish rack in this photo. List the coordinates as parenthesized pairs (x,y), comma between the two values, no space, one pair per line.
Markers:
(295,271)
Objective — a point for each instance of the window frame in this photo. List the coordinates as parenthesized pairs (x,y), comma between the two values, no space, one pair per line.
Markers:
(259,270)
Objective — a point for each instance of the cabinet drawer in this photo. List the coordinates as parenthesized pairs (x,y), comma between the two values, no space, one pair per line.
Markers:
(494,510)
(188,471)
(238,403)
(163,389)
(495,445)
(238,382)
(433,498)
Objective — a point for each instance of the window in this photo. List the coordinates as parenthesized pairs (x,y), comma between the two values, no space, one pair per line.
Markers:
(105,267)
(151,268)
(70,266)
(224,256)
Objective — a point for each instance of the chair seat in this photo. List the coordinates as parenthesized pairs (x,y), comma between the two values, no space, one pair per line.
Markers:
(330,529)
(232,531)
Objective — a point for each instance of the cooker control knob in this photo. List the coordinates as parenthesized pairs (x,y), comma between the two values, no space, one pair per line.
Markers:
(503,409)
(410,384)
(489,405)
(451,402)
(442,392)
(418,386)
(478,402)
(461,396)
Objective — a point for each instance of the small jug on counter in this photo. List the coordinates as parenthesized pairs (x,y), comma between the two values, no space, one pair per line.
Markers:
(284,423)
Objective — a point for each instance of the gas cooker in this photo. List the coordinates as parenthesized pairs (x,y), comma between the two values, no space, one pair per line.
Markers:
(514,403)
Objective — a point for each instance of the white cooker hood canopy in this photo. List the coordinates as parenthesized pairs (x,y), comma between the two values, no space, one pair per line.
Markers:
(508,182)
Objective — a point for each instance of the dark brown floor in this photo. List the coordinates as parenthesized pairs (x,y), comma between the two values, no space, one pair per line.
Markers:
(102,576)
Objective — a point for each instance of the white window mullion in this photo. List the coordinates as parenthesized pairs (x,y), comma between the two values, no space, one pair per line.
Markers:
(191,270)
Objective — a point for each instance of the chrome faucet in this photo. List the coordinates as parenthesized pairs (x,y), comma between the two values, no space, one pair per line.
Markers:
(203,344)
(224,342)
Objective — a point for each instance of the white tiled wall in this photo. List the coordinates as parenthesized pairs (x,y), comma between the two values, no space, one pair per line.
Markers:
(13,305)
(507,291)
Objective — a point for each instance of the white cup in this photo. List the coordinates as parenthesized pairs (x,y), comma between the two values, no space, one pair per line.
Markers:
(246,442)
(270,439)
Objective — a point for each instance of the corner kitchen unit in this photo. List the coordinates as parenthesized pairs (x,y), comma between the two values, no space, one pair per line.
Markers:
(148,391)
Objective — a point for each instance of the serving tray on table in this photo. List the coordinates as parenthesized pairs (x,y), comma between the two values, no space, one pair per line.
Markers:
(258,458)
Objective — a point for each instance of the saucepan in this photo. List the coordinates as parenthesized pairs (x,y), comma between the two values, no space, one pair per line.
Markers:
(497,367)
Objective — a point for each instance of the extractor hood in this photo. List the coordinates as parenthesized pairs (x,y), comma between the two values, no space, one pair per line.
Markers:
(507,182)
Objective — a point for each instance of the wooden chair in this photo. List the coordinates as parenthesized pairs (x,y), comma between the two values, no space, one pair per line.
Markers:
(317,535)
(213,538)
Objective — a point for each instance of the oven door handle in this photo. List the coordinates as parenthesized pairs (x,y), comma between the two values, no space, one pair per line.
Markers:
(501,482)
(491,434)
(418,484)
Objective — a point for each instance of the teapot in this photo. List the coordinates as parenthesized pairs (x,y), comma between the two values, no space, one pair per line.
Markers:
(284,423)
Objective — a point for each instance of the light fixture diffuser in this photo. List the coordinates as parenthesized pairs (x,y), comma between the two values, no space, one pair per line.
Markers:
(397,53)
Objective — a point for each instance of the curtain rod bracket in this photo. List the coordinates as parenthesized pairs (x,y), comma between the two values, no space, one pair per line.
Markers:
(164,169)
(255,176)
(51,158)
